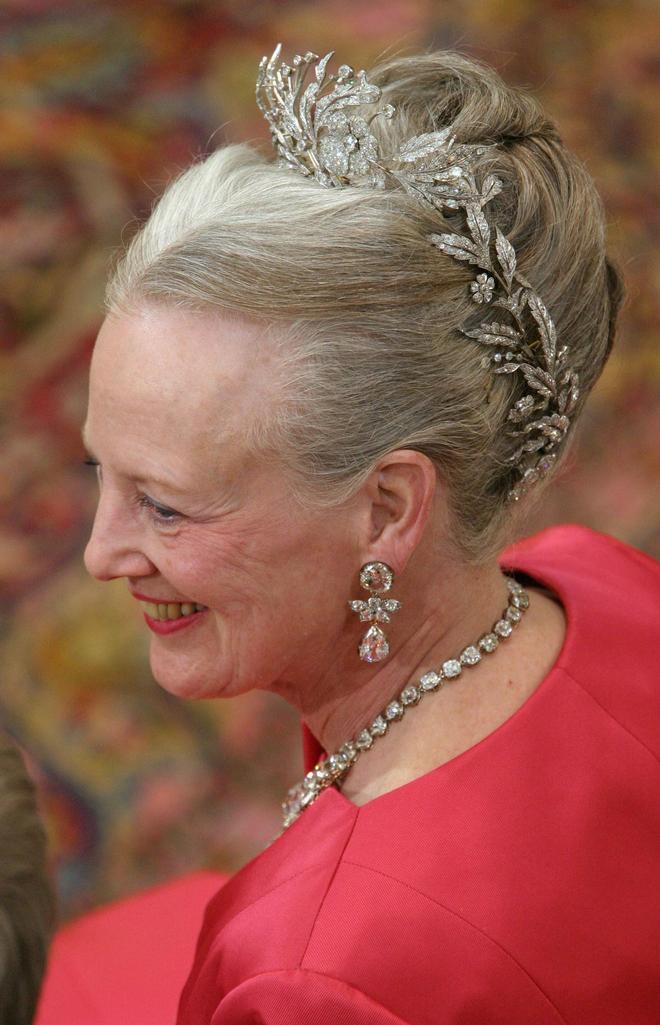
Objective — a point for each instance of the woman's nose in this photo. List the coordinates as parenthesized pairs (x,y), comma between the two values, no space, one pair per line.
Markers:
(114,547)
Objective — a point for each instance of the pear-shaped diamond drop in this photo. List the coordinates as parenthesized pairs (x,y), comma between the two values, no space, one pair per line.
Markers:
(374,646)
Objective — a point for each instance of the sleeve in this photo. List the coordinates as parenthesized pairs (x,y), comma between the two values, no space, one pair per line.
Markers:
(299,997)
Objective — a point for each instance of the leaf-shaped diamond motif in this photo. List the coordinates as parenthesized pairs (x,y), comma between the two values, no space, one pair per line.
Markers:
(308,98)
(491,187)
(458,246)
(479,228)
(348,95)
(495,334)
(546,327)
(537,378)
(506,368)
(322,65)
(429,144)
(506,255)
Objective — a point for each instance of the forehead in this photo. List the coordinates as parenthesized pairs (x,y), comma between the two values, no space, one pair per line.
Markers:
(162,353)
(176,380)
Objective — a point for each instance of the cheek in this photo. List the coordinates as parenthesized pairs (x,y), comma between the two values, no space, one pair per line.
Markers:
(226,567)
(212,574)
(283,570)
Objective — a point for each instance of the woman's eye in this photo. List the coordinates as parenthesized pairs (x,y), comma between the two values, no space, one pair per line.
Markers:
(160,513)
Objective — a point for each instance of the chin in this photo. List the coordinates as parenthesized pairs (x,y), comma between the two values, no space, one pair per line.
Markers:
(185,682)
(186,689)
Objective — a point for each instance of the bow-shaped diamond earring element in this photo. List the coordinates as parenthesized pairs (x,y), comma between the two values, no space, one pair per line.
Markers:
(376,577)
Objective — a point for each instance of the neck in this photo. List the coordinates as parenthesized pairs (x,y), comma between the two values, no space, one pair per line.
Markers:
(455,613)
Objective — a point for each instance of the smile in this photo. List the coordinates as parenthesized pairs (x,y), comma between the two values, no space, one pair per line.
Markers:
(166,617)
(171,610)
(171,617)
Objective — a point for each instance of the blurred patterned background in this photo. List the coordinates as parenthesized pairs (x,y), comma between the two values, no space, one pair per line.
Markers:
(100,104)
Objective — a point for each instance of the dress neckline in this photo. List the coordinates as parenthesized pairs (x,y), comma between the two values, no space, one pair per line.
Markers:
(517,564)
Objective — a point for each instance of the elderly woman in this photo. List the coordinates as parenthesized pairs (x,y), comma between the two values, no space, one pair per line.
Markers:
(325,393)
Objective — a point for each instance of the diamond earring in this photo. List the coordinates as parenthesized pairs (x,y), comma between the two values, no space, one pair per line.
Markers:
(377,578)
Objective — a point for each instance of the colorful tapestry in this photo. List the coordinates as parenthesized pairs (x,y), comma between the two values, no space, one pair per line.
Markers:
(100,105)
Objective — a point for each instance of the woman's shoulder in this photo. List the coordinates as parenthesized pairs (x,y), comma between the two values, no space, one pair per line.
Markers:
(610,592)
(607,587)
(571,551)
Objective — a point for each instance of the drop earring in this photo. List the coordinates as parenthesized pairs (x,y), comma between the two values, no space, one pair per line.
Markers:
(377,578)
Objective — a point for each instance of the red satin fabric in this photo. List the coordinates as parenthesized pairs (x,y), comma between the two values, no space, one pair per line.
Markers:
(516,884)
(125,964)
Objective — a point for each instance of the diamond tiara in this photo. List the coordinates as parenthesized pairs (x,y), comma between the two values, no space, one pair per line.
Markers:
(317,131)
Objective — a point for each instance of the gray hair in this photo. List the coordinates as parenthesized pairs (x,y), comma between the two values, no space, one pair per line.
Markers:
(367,311)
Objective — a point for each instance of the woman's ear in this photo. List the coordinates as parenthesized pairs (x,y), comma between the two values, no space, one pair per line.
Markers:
(399,495)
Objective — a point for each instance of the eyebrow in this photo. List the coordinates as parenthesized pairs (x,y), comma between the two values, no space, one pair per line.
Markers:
(135,478)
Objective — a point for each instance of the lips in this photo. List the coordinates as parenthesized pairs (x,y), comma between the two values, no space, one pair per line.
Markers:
(168,610)
(166,617)
(169,626)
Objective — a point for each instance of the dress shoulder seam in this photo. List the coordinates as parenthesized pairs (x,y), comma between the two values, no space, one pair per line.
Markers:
(608,713)
(262,896)
(340,859)
(507,953)
(323,977)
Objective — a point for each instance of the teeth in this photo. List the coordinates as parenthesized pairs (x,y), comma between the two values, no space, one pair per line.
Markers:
(171,610)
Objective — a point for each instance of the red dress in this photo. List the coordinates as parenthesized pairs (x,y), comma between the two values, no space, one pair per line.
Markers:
(517,884)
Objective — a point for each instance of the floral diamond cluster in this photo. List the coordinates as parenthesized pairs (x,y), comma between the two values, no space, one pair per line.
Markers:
(375,609)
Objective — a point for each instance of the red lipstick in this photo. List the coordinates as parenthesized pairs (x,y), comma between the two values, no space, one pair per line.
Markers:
(169,626)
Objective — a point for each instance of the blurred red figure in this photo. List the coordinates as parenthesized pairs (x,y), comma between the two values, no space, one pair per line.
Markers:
(124,964)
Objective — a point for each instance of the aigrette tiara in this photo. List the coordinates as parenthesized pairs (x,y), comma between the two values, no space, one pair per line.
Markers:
(317,131)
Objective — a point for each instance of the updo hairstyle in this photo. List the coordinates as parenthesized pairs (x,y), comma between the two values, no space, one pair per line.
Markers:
(367,310)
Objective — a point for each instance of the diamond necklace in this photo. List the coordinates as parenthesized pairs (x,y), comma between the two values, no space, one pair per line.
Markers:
(336,766)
